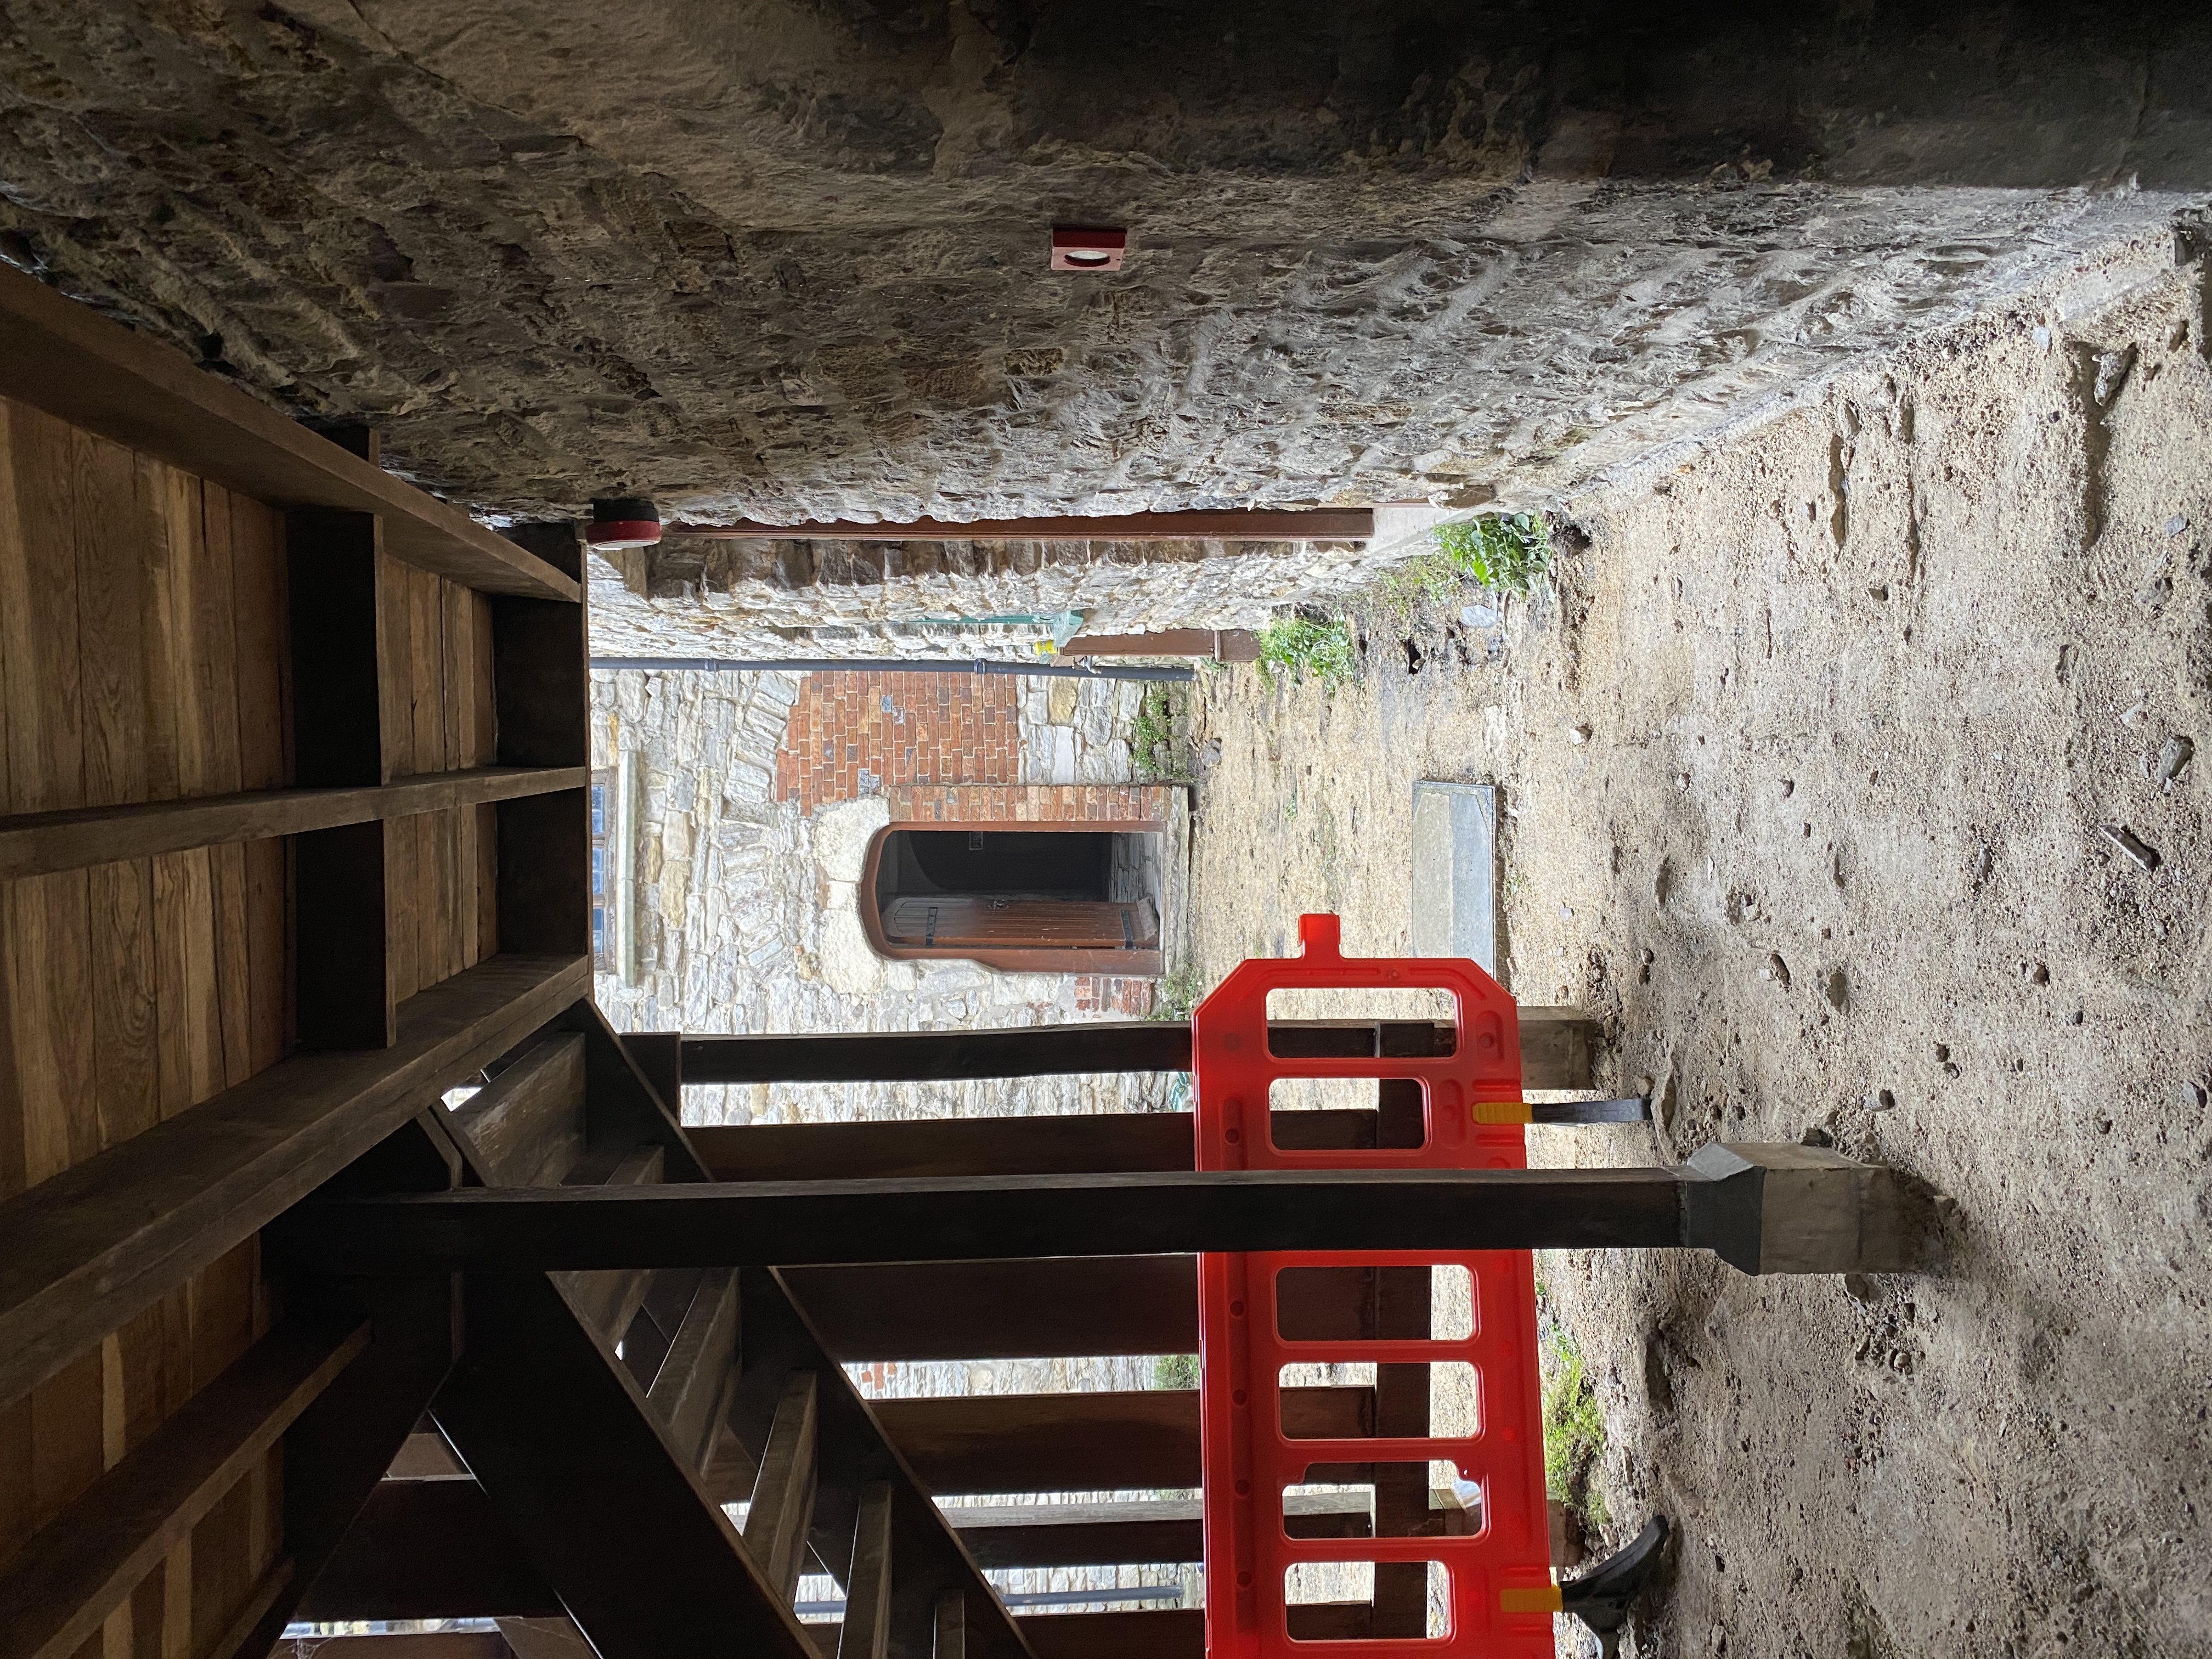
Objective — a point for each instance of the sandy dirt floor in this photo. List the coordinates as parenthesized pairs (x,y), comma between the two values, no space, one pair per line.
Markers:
(1810,755)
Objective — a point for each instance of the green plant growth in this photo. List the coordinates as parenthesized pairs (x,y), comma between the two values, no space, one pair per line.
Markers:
(1574,1432)
(1175,995)
(1154,742)
(1506,552)
(1175,1370)
(1302,648)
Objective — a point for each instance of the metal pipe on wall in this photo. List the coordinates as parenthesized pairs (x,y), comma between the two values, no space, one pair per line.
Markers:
(899,666)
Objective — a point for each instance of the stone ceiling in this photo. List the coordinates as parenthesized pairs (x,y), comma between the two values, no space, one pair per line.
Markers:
(785,259)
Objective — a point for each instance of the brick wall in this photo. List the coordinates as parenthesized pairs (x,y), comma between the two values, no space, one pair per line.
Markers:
(1127,804)
(854,734)
(1098,994)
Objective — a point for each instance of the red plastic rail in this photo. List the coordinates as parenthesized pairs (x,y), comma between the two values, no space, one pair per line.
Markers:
(1501,1596)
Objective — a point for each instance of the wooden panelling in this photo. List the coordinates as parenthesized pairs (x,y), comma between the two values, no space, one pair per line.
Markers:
(144,628)
(433,646)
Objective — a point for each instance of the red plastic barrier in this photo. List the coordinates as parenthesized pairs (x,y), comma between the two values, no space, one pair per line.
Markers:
(1501,1596)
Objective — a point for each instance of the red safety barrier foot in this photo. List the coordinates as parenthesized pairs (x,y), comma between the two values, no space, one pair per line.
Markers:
(1497,1592)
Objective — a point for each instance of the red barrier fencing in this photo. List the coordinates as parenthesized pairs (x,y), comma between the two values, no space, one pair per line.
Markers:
(1499,1596)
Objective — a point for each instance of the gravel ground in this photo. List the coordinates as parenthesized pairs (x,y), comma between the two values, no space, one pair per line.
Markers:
(1810,753)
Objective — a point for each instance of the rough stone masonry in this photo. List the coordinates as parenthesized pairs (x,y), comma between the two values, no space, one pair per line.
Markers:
(788,259)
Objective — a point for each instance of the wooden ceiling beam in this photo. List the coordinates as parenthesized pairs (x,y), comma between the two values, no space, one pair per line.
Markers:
(1321,523)
(1555,1050)
(70,361)
(984,1217)
(86,1249)
(39,843)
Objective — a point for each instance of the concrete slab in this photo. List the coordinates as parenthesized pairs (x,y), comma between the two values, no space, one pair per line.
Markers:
(1455,872)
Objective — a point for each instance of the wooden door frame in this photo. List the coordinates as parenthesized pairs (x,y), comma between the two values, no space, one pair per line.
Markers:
(1122,964)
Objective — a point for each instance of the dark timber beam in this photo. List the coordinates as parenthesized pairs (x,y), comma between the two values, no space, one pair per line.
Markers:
(1326,524)
(84,1564)
(70,361)
(85,1250)
(1555,1050)
(574,1465)
(1830,1215)
(1054,1306)
(1080,1143)
(39,843)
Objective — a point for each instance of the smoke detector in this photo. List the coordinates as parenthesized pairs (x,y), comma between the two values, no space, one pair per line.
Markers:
(624,521)
(1088,247)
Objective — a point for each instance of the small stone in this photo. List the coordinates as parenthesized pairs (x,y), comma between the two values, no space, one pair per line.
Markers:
(1789,787)
(2155,596)
(1880,591)
(1567,913)
(2173,758)
(1816,1136)
(2129,842)
(1682,780)
(1646,954)
(1578,734)
(2193,1095)
(2074,1018)
(1860,1287)
(1779,970)
(1838,989)
(2135,715)
(1643,1086)
(1943,1051)
(2176,525)
(1883,1100)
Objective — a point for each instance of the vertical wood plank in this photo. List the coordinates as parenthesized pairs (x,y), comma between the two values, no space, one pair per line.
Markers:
(485,702)
(258,591)
(65,1435)
(12,616)
(162,498)
(467,909)
(111,537)
(455,613)
(402,871)
(188,1026)
(185,517)
(126,1059)
(214,644)
(38,620)
(487,881)
(394,667)
(426,688)
(267,953)
(233,961)
(48,929)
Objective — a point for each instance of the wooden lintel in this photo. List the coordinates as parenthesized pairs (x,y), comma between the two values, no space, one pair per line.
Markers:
(84,1250)
(1324,524)
(72,362)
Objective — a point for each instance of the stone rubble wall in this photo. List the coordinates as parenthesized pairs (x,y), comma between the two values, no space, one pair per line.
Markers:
(699,597)
(747,917)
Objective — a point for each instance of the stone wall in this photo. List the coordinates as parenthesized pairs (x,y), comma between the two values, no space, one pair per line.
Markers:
(787,260)
(748,919)
(699,597)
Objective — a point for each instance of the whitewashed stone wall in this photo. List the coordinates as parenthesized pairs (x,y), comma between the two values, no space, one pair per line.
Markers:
(774,600)
(747,913)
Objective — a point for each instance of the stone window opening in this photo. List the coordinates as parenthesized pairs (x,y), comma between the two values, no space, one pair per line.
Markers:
(1034,898)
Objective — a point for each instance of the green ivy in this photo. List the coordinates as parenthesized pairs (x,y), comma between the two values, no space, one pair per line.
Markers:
(1175,1370)
(1298,646)
(1505,552)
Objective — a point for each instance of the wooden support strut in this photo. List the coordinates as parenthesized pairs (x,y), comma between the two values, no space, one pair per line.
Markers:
(68,360)
(86,1249)
(1555,1050)
(1839,1217)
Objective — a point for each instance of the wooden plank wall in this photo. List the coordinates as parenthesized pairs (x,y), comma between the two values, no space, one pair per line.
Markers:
(143,645)
(434,669)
